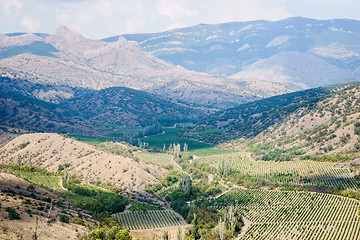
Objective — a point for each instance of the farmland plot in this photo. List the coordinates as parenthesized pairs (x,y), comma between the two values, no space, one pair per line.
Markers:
(293,215)
(141,220)
(293,172)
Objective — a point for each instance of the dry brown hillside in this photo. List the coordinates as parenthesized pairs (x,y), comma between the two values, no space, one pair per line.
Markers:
(331,127)
(24,197)
(51,150)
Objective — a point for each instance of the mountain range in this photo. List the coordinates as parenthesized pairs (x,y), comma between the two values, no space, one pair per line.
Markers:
(67,58)
(299,53)
(206,66)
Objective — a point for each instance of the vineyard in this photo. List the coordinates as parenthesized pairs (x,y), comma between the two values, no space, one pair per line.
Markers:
(159,159)
(294,172)
(141,220)
(293,215)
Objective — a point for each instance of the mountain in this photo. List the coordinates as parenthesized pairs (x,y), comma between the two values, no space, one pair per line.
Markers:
(312,124)
(36,107)
(68,58)
(295,70)
(251,119)
(242,49)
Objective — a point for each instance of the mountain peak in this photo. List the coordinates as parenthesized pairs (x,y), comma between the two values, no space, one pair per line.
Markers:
(62,28)
(65,34)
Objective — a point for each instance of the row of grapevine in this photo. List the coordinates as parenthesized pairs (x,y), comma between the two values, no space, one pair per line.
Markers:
(293,215)
(294,172)
(141,220)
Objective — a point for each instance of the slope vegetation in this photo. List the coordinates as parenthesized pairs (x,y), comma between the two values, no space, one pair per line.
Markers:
(52,150)
(36,107)
(36,214)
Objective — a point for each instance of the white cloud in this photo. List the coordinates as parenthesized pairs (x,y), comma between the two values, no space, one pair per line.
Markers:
(10,7)
(245,10)
(175,9)
(103,18)
(30,24)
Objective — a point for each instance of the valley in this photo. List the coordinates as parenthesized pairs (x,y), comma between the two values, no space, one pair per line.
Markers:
(242,130)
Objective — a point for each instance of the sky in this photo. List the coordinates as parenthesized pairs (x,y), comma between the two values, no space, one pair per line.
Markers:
(97,19)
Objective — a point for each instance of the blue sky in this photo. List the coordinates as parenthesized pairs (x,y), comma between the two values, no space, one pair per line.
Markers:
(103,18)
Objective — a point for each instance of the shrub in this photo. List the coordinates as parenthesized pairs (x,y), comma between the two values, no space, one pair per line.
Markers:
(64,218)
(12,214)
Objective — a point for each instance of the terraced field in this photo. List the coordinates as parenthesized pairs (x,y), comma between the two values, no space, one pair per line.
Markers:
(141,220)
(295,172)
(293,215)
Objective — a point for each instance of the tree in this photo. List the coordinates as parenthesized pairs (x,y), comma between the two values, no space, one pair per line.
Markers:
(109,229)
(165,235)
(222,229)
(185,147)
(179,234)
(232,219)
(195,228)
(185,183)
(19,159)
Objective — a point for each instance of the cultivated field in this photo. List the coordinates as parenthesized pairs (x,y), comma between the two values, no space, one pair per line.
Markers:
(293,215)
(293,172)
(159,159)
(141,220)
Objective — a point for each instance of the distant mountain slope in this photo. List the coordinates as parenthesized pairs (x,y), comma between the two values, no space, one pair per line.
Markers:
(296,71)
(246,42)
(228,48)
(80,111)
(67,58)
(250,119)
(125,106)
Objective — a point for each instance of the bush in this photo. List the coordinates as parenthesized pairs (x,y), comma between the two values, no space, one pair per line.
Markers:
(12,214)
(64,218)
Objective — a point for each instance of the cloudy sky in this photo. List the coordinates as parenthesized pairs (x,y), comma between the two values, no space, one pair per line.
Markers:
(103,18)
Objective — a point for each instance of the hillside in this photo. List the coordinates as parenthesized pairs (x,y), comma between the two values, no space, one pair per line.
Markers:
(30,202)
(90,164)
(250,119)
(313,124)
(125,106)
(226,49)
(36,107)
(67,58)
(295,71)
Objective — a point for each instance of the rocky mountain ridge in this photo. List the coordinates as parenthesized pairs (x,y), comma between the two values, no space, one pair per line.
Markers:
(232,49)
(67,58)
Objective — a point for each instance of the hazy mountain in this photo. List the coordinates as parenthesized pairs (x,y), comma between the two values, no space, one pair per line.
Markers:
(81,111)
(229,48)
(295,70)
(67,58)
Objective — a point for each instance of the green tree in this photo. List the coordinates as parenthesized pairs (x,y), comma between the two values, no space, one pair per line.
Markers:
(109,229)
(185,183)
